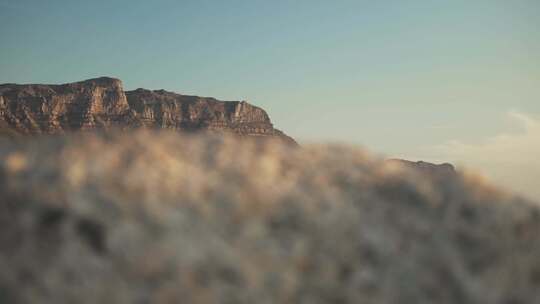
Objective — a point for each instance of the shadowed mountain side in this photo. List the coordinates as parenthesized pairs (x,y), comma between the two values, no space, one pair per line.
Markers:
(102,104)
(213,219)
(436,171)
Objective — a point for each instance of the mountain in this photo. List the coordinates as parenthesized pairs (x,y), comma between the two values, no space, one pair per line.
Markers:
(436,171)
(102,104)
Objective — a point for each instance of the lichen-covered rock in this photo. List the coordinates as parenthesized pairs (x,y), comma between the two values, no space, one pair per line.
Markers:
(158,217)
(102,104)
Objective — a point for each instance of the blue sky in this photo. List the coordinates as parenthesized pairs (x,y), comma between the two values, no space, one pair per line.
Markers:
(400,77)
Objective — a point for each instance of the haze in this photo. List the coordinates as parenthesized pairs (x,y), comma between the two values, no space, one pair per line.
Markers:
(455,81)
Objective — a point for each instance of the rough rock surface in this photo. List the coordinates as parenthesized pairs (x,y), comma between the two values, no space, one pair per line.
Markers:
(148,217)
(102,104)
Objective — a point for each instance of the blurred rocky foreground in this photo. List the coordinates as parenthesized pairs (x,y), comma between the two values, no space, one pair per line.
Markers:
(151,217)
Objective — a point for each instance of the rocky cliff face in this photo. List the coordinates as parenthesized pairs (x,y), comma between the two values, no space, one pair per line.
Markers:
(102,104)
(92,104)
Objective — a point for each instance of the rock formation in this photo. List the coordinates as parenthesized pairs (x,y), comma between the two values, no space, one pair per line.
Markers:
(102,104)
(436,171)
(94,218)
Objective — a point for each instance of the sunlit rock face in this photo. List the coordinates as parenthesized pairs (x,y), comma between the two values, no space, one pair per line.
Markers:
(102,104)
(162,109)
(96,103)
(160,217)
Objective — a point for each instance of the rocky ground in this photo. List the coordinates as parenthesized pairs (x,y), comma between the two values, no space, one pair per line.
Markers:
(157,217)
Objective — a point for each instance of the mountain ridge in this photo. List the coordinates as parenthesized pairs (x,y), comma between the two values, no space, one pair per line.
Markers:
(102,104)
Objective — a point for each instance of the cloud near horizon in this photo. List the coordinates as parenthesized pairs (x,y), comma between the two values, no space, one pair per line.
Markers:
(510,159)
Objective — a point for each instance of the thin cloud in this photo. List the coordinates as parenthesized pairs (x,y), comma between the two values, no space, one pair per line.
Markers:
(511,159)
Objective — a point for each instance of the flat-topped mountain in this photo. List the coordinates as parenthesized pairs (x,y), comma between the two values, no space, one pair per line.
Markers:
(102,104)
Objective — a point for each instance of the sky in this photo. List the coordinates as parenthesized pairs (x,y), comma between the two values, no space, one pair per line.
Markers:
(455,81)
